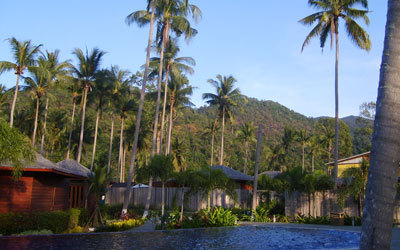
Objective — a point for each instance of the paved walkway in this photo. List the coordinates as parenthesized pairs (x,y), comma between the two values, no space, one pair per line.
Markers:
(148,226)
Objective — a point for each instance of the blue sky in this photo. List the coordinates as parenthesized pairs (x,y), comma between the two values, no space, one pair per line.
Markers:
(258,43)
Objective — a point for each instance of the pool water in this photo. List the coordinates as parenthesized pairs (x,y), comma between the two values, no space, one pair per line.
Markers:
(246,237)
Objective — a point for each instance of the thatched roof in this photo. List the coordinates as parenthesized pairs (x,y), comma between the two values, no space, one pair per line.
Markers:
(73,167)
(67,167)
(234,174)
(271,174)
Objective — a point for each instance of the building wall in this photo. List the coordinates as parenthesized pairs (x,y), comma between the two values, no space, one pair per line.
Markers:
(34,191)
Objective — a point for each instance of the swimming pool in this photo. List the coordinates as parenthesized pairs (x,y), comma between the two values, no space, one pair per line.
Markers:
(246,237)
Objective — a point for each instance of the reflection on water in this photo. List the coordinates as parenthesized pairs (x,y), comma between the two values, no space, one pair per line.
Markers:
(257,237)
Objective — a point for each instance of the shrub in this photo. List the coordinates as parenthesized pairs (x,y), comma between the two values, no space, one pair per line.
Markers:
(56,221)
(261,215)
(320,220)
(349,219)
(242,214)
(112,212)
(35,232)
(220,217)
(120,225)
(74,230)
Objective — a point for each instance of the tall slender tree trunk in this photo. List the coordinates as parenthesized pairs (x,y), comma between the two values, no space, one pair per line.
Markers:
(78,159)
(255,181)
(182,201)
(111,142)
(221,158)
(312,163)
(36,121)
(380,196)
(302,148)
(71,128)
(171,125)
(95,138)
(212,146)
(121,150)
(14,101)
(335,169)
(246,146)
(139,116)
(162,198)
(44,126)
(164,106)
(160,71)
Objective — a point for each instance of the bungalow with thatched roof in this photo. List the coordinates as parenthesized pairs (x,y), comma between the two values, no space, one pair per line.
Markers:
(240,178)
(44,186)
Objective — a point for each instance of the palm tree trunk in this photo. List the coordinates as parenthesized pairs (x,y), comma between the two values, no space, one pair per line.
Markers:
(78,159)
(139,114)
(212,146)
(160,71)
(335,170)
(302,148)
(164,107)
(14,101)
(111,142)
(209,201)
(95,138)
(71,128)
(182,199)
(312,163)
(121,149)
(221,158)
(246,145)
(36,121)
(171,120)
(162,199)
(44,126)
(255,182)
(384,164)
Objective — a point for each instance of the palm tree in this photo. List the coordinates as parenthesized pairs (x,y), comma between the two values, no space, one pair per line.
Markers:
(37,85)
(303,138)
(58,71)
(384,165)
(88,66)
(211,129)
(174,64)
(101,91)
(246,134)
(327,19)
(315,149)
(178,97)
(119,81)
(24,54)
(75,95)
(225,99)
(140,17)
(172,16)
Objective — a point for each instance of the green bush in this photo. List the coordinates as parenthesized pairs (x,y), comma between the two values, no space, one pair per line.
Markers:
(242,214)
(220,217)
(56,221)
(261,215)
(120,225)
(35,232)
(113,212)
(348,220)
(319,220)
(74,230)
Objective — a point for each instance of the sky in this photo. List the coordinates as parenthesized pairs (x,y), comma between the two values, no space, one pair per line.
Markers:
(258,42)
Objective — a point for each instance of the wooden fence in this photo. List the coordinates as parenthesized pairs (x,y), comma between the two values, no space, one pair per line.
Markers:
(115,195)
(323,203)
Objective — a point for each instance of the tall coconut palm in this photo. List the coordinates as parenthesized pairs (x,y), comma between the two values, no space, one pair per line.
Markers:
(178,96)
(119,81)
(58,72)
(124,105)
(211,129)
(327,19)
(384,165)
(172,16)
(37,85)
(141,18)
(246,134)
(24,54)
(303,138)
(225,98)
(101,91)
(85,72)
(176,65)
(75,95)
